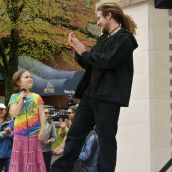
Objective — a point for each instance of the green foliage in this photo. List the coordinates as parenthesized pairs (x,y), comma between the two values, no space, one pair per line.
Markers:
(39,29)
(39,50)
(42,23)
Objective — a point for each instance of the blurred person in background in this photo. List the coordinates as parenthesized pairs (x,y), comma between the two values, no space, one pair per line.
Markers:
(64,127)
(6,138)
(70,102)
(50,138)
(87,161)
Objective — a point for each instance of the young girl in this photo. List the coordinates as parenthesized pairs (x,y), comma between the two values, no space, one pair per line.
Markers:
(29,127)
(6,136)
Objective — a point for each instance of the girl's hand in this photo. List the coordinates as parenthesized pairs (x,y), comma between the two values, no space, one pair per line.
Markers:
(41,135)
(23,95)
(47,142)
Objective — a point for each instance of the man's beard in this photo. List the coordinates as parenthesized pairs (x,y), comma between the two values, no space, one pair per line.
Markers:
(105,30)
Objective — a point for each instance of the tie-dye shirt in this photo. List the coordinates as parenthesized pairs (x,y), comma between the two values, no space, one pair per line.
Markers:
(28,121)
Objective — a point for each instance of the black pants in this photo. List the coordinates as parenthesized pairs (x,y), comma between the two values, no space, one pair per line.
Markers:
(47,159)
(79,168)
(4,163)
(89,113)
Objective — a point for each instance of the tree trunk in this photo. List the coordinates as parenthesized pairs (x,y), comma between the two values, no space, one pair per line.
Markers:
(13,64)
(8,90)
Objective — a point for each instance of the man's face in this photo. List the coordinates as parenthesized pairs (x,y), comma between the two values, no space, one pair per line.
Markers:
(103,22)
(71,114)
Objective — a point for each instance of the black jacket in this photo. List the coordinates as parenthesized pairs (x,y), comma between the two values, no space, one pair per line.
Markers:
(108,68)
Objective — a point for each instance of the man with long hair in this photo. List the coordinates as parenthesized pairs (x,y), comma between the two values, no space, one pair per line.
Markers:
(104,88)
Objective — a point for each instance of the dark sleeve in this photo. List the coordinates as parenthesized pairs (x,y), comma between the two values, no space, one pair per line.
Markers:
(113,55)
(84,65)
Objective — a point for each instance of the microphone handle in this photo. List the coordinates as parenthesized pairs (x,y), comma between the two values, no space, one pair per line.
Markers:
(24,99)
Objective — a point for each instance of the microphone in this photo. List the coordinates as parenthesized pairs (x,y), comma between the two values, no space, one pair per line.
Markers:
(24,98)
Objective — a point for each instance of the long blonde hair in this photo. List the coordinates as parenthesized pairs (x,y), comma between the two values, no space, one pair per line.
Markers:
(15,79)
(117,13)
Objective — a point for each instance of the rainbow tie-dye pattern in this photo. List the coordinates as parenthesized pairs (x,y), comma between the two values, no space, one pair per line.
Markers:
(27,122)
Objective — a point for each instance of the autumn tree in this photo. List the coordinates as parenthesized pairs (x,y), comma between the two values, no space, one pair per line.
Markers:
(39,29)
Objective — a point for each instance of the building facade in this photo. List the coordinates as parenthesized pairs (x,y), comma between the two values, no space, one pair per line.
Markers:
(145,127)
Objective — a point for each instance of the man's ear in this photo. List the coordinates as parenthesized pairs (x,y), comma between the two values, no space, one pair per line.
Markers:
(109,16)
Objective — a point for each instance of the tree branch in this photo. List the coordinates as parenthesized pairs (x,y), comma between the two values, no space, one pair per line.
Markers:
(21,8)
(65,23)
(14,11)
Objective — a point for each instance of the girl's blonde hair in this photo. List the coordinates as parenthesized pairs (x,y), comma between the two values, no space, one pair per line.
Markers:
(16,78)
